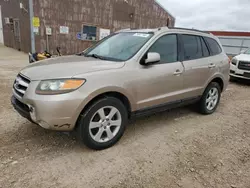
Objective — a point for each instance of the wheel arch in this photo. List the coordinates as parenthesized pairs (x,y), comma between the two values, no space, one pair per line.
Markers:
(218,79)
(123,98)
(116,92)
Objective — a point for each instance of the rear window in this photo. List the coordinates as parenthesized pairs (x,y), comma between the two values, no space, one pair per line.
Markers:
(214,46)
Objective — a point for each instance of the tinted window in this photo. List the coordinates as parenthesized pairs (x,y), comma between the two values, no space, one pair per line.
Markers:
(192,47)
(204,48)
(214,46)
(166,46)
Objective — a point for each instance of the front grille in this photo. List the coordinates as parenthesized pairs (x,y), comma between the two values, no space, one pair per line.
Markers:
(20,85)
(247,75)
(244,65)
(21,105)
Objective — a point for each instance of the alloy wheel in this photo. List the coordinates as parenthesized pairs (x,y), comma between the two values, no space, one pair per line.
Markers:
(212,98)
(105,124)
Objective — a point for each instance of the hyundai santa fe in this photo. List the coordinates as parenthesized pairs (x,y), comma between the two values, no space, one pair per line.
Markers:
(128,74)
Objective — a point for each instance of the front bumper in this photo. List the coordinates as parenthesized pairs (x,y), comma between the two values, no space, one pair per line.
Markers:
(54,112)
(50,112)
(238,73)
(21,108)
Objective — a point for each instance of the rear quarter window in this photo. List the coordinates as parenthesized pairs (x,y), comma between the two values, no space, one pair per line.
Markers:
(213,45)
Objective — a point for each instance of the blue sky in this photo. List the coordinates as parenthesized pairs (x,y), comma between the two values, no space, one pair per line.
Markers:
(210,14)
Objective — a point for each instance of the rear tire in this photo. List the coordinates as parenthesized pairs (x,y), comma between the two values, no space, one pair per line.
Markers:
(103,123)
(210,99)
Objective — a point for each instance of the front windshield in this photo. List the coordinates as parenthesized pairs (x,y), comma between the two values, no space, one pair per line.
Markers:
(247,51)
(119,47)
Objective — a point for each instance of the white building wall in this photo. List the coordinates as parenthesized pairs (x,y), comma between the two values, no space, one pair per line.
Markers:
(233,45)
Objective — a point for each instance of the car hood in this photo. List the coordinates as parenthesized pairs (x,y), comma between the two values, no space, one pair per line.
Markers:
(243,57)
(67,67)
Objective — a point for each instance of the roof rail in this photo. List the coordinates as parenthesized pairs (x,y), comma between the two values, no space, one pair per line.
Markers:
(188,29)
(128,29)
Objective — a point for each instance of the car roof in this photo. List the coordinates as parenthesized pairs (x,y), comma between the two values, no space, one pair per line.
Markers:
(170,29)
(137,30)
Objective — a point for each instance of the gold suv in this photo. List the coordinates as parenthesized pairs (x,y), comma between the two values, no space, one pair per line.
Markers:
(130,73)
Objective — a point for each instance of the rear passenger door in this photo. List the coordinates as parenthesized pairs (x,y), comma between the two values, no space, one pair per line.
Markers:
(197,64)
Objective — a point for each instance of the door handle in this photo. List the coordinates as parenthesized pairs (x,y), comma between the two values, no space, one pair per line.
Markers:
(177,72)
(211,65)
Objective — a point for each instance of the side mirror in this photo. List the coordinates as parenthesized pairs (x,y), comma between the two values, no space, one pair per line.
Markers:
(152,57)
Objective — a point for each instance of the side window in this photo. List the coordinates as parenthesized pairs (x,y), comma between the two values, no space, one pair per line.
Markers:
(192,47)
(204,48)
(214,46)
(166,46)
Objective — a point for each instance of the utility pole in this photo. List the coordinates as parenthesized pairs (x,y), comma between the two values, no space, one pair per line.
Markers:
(32,37)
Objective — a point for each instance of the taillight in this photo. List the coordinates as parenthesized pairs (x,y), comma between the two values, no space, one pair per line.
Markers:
(229,61)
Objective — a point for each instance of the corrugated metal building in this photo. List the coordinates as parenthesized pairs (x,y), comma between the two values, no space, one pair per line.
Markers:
(76,24)
(15,25)
(233,42)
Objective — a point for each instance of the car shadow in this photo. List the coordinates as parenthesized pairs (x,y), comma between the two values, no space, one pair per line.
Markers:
(242,82)
(35,137)
(158,120)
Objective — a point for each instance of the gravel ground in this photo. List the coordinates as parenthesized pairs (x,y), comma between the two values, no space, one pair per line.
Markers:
(179,148)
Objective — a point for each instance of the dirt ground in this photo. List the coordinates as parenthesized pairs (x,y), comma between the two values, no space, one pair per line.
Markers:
(179,148)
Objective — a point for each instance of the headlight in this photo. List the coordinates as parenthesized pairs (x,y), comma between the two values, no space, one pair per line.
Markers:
(234,61)
(52,87)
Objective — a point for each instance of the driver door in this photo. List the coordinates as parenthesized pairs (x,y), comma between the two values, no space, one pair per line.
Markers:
(162,82)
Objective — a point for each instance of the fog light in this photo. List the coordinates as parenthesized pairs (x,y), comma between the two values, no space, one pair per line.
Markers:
(44,124)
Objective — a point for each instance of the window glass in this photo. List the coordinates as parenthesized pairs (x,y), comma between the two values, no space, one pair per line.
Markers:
(88,33)
(204,48)
(214,46)
(166,46)
(120,46)
(192,47)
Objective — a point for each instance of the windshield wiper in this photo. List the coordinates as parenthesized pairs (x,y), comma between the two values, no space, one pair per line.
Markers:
(102,57)
(96,56)
(80,53)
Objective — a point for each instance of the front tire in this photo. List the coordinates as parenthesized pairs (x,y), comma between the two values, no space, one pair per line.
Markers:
(103,123)
(210,99)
